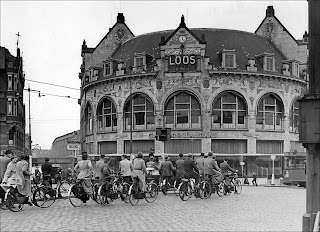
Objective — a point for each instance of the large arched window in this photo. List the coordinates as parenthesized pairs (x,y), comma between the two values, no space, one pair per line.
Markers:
(89,121)
(294,116)
(229,111)
(270,113)
(143,113)
(182,111)
(107,116)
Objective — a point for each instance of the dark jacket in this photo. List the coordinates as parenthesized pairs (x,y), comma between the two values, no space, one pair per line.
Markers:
(180,168)
(47,168)
(210,166)
(225,168)
(190,167)
(166,168)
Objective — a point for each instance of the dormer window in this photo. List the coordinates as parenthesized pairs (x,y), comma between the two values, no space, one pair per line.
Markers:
(139,63)
(268,62)
(294,67)
(107,68)
(228,59)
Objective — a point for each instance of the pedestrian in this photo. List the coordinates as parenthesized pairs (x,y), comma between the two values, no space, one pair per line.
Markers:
(200,164)
(84,167)
(156,172)
(37,175)
(254,180)
(23,178)
(47,171)
(10,176)
(105,171)
(99,166)
(246,181)
(139,171)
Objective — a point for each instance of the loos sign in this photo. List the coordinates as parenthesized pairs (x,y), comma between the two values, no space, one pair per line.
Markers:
(182,60)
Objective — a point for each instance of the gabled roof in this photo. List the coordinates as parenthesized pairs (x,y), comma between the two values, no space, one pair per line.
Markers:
(182,25)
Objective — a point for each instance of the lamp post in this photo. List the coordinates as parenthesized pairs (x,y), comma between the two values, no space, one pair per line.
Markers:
(30,142)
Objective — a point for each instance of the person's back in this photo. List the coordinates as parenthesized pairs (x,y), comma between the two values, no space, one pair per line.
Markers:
(190,167)
(166,168)
(180,168)
(225,168)
(47,168)
(99,166)
(200,164)
(125,167)
(4,161)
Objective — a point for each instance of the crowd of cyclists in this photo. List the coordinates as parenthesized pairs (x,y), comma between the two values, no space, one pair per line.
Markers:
(132,169)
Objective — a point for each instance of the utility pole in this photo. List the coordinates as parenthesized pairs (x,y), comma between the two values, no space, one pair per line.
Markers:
(309,119)
(30,142)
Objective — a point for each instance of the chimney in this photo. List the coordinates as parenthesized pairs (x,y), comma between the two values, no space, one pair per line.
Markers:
(120,18)
(18,52)
(270,11)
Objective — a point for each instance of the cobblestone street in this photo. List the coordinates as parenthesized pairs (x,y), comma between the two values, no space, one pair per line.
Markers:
(255,209)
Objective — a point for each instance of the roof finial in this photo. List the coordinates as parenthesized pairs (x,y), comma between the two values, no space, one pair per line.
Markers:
(182,23)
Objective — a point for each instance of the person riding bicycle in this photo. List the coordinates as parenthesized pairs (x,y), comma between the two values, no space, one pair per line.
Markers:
(225,170)
(180,169)
(99,166)
(191,170)
(47,171)
(139,171)
(125,167)
(211,169)
(166,169)
(85,173)
(200,164)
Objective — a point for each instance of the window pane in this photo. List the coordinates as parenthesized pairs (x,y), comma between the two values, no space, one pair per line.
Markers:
(150,118)
(182,98)
(241,117)
(182,117)
(216,115)
(138,100)
(194,103)
(259,118)
(279,107)
(138,108)
(139,118)
(114,119)
(108,120)
(149,105)
(229,60)
(269,108)
(269,118)
(182,106)
(229,98)
(269,100)
(227,117)
(169,117)
(107,103)
(169,105)
(241,105)
(229,106)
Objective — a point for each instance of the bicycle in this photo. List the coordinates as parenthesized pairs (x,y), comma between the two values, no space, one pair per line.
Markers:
(165,185)
(135,194)
(110,190)
(235,184)
(206,188)
(187,188)
(13,200)
(77,196)
(43,195)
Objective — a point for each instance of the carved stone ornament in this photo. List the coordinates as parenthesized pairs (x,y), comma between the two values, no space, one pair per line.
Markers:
(206,83)
(186,51)
(159,84)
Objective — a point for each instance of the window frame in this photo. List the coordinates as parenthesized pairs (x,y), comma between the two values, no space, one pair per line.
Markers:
(103,117)
(225,53)
(265,63)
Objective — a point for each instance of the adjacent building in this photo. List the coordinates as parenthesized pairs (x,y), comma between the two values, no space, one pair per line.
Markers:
(12,109)
(229,91)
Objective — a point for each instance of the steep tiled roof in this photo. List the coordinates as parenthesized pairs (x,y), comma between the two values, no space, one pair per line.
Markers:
(245,44)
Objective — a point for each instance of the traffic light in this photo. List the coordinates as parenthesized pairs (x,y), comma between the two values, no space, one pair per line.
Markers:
(163,134)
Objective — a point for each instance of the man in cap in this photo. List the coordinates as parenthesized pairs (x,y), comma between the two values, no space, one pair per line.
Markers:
(211,169)
(47,171)
(190,169)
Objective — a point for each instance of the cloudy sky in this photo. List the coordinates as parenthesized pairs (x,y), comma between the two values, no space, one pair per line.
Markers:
(52,33)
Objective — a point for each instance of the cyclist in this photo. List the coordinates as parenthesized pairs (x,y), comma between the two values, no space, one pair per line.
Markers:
(47,171)
(125,167)
(225,169)
(85,173)
(99,166)
(139,171)
(180,169)
(166,169)
(200,164)
(211,169)
(191,170)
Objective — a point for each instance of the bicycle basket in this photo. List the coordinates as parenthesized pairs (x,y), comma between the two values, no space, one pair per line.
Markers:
(139,195)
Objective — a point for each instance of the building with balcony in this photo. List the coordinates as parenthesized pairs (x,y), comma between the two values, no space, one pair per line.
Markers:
(12,109)
(227,91)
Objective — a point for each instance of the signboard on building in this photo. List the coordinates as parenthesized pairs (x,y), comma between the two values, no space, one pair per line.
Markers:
(73,146)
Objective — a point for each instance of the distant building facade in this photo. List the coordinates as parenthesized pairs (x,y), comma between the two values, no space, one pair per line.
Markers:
(232,92)
(59,147)
(12,109)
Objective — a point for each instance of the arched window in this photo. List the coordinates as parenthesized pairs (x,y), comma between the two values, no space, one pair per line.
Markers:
(270,113)
(143,113)
(107,116)
(229,111)
(182,111)
(89,121)
(294,116)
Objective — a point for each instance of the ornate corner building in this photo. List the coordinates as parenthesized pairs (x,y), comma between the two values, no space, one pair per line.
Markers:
(232,92)
(12,111)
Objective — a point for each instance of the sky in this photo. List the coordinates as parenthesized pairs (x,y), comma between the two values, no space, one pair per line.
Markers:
(52,33)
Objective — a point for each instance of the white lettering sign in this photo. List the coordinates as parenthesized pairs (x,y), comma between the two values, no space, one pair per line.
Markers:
(73,146)
(177,60)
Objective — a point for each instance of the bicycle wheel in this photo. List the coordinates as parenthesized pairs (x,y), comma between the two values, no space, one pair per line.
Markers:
(64,187)
(176,188)
(12,202)
(205,190)
(219,189)
(132,191)
(74,196)
(238,186)
(95,190)
(44,197)
(124,192)
(103,194)
(165,187)
(152,192)
(184,191)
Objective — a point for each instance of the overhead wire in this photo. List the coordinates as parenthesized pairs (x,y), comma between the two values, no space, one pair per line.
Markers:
(41,94)
(45,83)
